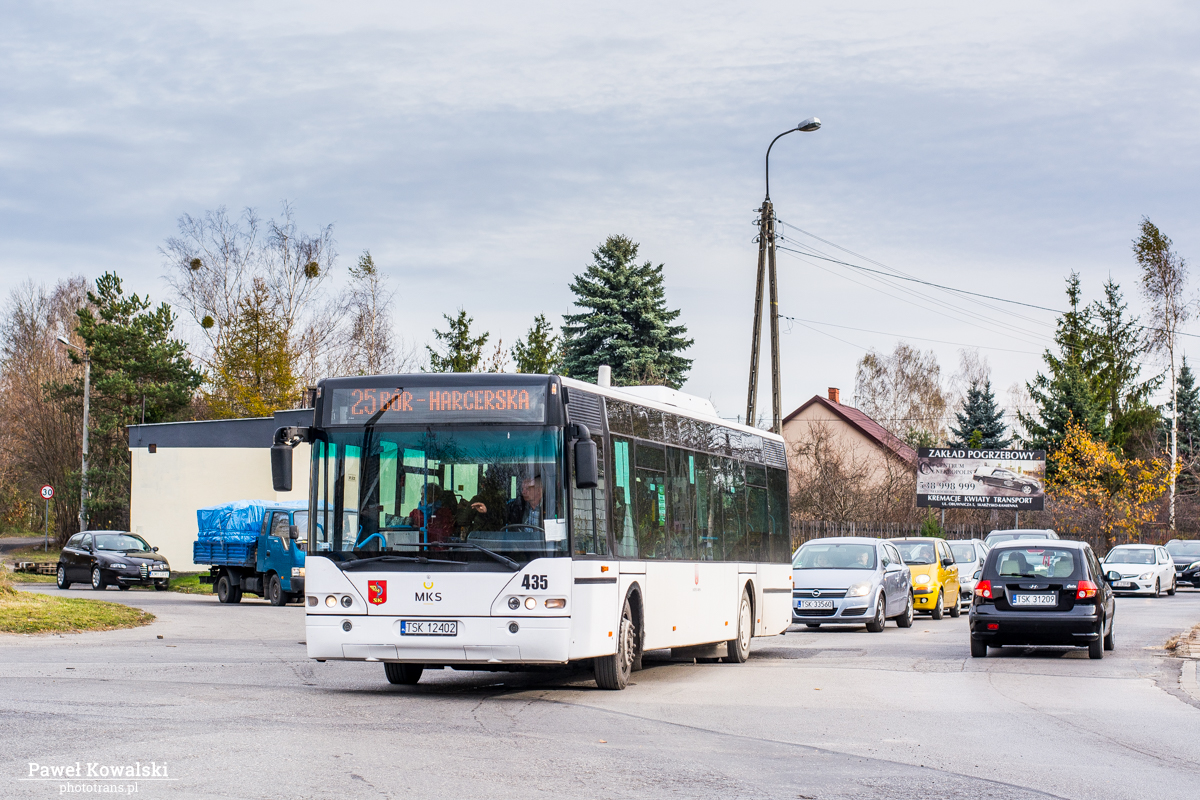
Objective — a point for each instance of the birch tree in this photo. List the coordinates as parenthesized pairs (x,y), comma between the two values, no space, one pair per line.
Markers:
(1163,281)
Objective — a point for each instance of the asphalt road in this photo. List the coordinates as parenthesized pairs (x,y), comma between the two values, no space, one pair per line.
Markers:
(229,702)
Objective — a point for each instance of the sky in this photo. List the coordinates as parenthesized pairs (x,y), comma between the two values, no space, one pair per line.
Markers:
(481,151)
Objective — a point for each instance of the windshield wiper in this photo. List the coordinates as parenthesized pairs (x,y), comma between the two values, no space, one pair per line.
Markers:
(505,560)
(410,559)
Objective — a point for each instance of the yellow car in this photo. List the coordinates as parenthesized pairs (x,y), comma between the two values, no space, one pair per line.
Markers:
(934,574)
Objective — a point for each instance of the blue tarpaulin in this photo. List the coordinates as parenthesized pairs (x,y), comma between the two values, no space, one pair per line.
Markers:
(239,521)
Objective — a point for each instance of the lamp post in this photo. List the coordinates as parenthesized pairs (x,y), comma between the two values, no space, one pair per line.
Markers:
(766,262)
(87,386)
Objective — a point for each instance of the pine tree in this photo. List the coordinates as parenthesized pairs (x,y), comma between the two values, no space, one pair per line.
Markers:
(253,374)
(463,351)
(134,362)
(1188,396)
(625,322)
(541,351)
(1112,361)
(981,422)
(1068,393)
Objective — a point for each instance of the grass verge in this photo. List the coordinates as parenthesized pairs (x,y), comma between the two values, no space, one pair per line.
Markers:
(27,612)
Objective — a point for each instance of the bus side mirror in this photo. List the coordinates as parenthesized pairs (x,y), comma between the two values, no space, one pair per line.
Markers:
(587,471)
(281,467)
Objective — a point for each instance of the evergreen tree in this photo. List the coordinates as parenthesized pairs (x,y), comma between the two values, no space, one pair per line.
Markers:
(1068,392)
(541,351)
(1112,361)
(981,422)
(134,362)
(463,352)
(1188,396)
(624,321)
(252,375)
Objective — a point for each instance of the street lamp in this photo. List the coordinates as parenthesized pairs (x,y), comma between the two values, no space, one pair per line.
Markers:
(766,257)
(87,385)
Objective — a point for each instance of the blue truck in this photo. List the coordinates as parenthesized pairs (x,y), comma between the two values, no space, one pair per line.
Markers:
(253,546)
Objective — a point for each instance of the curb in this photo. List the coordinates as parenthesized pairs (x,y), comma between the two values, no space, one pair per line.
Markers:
(1187,679)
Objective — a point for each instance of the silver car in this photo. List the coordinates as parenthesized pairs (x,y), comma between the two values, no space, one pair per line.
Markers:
(851,580)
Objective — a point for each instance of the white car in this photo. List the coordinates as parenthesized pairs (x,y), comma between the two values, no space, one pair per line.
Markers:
(1144,568)
(969,555)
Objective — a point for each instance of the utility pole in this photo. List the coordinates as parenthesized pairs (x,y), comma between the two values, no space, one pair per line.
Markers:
(766,269)
(87,388)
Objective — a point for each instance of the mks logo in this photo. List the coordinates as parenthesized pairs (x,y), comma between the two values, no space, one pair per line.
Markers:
(428,596)
(377,592)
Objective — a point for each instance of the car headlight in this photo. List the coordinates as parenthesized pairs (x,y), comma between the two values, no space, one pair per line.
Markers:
(1194,565)
(1145,576)
(859,590)
(920,579)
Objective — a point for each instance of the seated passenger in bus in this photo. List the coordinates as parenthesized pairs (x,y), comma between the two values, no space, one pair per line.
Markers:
(524,509)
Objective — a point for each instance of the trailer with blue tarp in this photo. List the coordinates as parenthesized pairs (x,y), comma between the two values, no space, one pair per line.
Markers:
(253,546)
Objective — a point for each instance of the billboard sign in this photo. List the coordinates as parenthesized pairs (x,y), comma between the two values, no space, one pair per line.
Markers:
(962,478)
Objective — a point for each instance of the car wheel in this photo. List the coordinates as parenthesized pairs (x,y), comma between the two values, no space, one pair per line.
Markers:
(612,672)
(63,583)
(275,592)
(905,620)
(938,608)
(1171,591)
(1110,641)
(956,610)
(403,674)
(1157,588)
(978,649)
(161,586)
(98,580)
(812,624)
(1026,490)
(124,587)
(738,650)
(876,625)
(1096,648)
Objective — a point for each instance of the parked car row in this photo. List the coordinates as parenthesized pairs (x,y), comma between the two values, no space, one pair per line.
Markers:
(1022,588)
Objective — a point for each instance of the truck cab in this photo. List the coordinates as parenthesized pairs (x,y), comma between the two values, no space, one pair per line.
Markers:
(255,547)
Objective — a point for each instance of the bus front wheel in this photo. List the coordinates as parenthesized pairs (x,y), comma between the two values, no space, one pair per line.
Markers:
(612,672)
(738,650)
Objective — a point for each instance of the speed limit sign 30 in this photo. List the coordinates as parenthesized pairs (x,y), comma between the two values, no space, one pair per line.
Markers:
(47,491)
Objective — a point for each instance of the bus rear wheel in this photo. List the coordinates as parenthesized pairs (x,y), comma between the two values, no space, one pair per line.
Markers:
(612,672)
(403,674)
(738,650)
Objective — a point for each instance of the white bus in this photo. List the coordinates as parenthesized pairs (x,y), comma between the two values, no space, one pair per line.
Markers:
(487,522)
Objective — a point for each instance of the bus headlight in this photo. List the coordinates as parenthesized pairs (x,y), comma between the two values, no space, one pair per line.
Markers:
(331,601)
(530,603)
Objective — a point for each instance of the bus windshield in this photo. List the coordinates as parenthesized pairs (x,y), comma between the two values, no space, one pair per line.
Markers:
(483,497)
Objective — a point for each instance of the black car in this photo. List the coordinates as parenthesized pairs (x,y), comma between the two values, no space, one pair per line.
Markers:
(1002,478)
(112,558)
(1050,592)
(1185,553)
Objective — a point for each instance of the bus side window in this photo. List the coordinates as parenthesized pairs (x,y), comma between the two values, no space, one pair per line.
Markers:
(708,509)
(589,522)
(733,508)
(650,499)
(779,525)
(757,528)
(681,499)
(624,535)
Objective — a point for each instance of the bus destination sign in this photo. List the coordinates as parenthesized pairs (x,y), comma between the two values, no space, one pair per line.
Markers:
(431,404)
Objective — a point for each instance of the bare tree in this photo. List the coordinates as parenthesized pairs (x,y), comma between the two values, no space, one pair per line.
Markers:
(832,479)
(42,441)
(211,263)
(902,392)
(1164,278)
(295,264)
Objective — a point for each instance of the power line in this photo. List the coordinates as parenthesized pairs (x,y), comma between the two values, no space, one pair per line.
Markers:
(919,338)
